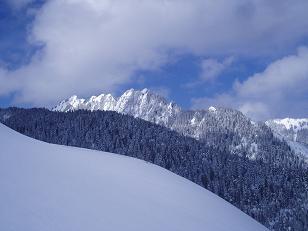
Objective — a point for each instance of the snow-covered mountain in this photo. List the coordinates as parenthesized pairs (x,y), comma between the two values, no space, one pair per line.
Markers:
(294,131)
(142,104)
(214,126)
(291,129)
(50,187)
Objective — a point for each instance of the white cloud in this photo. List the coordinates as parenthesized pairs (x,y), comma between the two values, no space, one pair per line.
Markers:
(212,68)
(280,90)
(92,46)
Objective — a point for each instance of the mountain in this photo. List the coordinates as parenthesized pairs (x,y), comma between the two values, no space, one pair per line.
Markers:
(291,129)
(294,131)
(271,190)
(223,127)
(141,104)
(50,187)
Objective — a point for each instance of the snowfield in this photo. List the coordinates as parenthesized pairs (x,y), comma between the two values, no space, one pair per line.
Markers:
(45,187)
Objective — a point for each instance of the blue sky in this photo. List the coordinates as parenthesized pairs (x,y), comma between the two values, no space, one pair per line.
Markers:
(249,55)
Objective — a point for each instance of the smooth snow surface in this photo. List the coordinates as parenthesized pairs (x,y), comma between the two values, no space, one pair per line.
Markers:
(49,187)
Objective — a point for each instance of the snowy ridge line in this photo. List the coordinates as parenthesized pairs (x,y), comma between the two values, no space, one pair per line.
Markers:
(206,125)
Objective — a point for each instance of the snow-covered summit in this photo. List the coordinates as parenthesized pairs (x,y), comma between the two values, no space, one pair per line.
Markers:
(49,187)
(101,102)
(143,104)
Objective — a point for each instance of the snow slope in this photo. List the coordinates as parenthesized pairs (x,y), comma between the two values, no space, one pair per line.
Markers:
(49,187)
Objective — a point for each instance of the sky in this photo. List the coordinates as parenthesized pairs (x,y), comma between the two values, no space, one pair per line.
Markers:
(251,55)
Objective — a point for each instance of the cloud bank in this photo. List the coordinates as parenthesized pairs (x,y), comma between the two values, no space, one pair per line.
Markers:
(92,46)
(281,88)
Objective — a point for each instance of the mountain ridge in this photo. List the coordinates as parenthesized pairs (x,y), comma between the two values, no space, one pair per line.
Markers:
(143,104)
(214,125)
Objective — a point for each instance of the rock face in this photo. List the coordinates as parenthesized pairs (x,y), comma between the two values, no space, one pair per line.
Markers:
(214,126)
